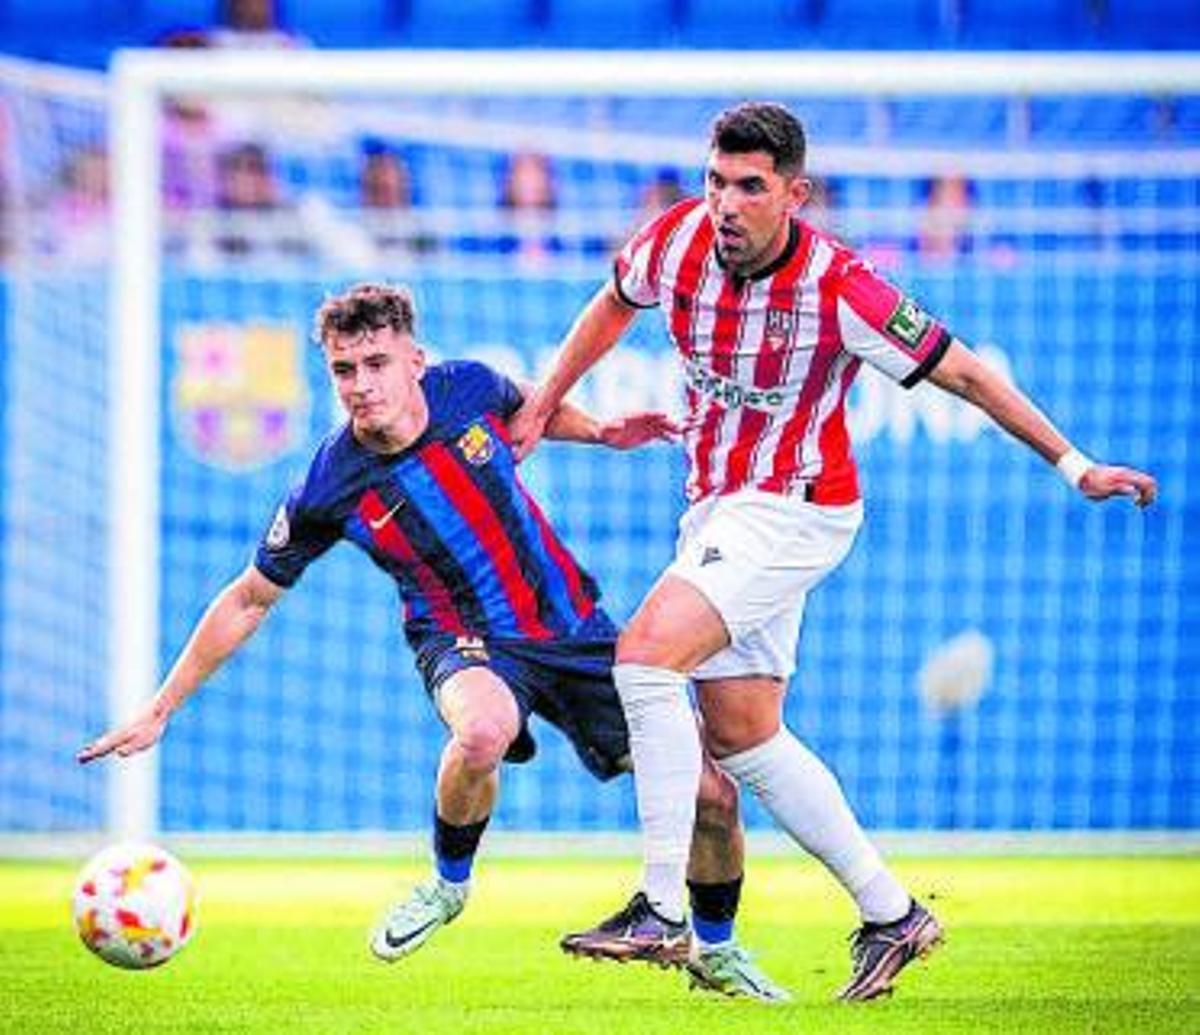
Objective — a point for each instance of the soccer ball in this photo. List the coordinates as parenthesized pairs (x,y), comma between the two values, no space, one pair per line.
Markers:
(134,905)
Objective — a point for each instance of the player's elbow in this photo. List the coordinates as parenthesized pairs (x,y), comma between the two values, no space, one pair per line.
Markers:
(962,372)
(254,594)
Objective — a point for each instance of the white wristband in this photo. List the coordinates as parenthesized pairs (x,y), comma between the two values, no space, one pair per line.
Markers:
(1073,465)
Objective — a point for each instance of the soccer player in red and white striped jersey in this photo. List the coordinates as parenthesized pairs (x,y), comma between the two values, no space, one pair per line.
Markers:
(771,320)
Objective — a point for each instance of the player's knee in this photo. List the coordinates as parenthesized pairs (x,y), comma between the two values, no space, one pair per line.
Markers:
(735,732)
(650,641)
(482,742)
(637,646)
(716,802)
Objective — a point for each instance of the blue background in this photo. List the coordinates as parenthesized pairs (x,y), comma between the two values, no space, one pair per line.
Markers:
(1090,721)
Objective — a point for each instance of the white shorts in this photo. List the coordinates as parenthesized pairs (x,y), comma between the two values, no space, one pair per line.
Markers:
(755,555)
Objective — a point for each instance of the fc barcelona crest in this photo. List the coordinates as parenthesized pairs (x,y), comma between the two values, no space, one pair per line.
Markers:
(239,399)
(476,445)
(778,332)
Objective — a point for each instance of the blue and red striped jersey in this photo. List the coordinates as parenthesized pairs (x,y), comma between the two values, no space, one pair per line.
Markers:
(448,518)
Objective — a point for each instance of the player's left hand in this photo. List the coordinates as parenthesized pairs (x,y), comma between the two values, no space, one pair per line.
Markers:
(636,429)
(1101,482)
(527,427)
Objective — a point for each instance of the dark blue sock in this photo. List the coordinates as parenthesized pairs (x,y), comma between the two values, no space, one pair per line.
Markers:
(714,907)
(454,847)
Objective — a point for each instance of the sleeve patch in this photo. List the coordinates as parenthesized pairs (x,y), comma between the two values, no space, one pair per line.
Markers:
(908,324)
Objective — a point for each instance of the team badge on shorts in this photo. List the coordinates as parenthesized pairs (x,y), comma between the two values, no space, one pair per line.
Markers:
(471,648)
(476,445)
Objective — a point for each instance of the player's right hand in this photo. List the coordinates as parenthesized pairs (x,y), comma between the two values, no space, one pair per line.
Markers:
(145,731)
(1101,482)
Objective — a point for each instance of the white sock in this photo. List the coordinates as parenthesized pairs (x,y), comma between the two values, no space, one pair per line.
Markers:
(882,899)
(665,746)
(806,800)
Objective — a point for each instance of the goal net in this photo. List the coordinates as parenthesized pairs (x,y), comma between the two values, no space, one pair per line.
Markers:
(995,654)
(54,250)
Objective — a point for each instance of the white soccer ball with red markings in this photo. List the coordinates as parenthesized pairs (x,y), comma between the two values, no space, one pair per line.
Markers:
(134,905)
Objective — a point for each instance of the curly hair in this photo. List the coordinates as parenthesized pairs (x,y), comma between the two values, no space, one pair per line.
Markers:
(364,309)
(762,126)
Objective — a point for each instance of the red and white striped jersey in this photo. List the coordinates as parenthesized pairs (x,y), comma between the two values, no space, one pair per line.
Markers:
(768,360)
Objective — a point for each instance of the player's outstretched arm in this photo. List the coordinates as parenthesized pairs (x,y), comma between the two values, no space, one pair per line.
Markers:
(595,331)
(571,424)
(962,372)
(230,620)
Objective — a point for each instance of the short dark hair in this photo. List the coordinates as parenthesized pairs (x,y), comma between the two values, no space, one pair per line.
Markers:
(762,126)
(364,309)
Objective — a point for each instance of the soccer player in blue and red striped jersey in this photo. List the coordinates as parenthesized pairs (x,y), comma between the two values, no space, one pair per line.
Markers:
(501,617)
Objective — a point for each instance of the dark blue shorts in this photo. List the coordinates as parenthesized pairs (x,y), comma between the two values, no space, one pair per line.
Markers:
(566,682)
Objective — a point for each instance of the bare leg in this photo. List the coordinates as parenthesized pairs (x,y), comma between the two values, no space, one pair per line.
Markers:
(483,720)
(718,852)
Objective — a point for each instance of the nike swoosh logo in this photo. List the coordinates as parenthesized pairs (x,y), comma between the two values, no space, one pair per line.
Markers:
(378,523)
(395,942)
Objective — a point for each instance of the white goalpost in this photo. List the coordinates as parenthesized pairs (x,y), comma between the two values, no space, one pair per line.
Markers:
(141,81)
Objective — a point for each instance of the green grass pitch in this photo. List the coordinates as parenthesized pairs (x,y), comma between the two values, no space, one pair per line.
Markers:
(1060,945)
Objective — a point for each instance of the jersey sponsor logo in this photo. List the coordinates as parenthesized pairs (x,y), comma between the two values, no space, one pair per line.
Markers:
(908,324)
(471,648)
(728,392)
(280,531)
(239,397)
(778,332)
(476,445)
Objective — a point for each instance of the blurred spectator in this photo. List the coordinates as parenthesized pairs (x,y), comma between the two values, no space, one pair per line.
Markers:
(386,201)
(78,227)
(253,24)
(528,184)
(944,228)
(189,160)
(659,194)
(190,142)
(253,216)
(529,199)
(384,179)
(245,180)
